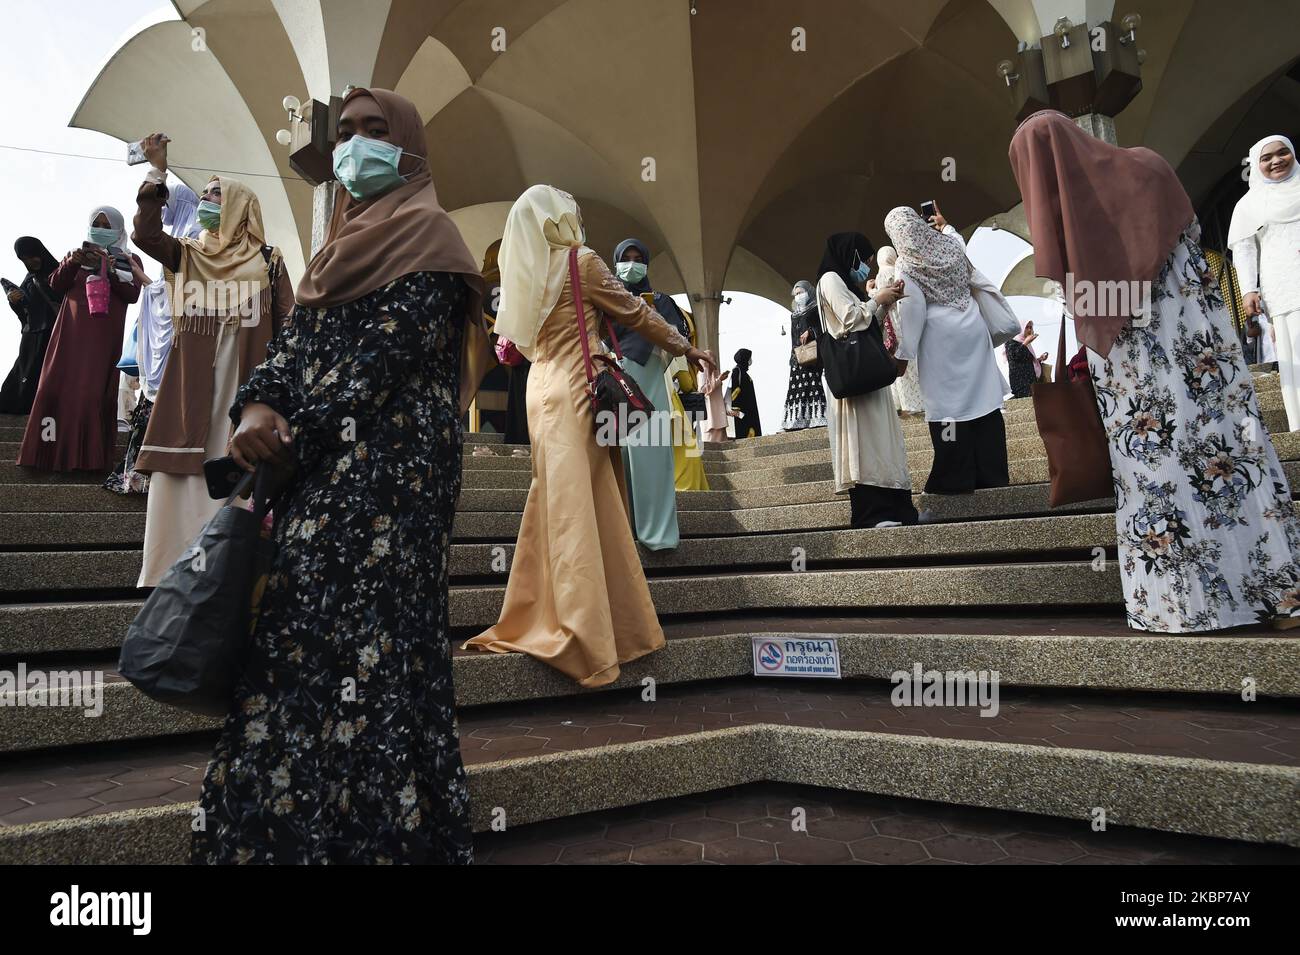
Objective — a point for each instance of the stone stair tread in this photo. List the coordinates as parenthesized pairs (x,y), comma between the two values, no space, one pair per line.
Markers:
(35,570)
(1006,624)
(43,787)
(1066,652)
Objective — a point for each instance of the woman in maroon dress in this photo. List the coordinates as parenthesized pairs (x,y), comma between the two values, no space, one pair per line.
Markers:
(73,422)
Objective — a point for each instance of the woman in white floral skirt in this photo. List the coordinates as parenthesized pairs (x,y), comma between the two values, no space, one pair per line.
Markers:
(1207,536)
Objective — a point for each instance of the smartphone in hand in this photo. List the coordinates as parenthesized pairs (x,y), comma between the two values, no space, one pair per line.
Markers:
(222,476)
(929,210)
(135,152)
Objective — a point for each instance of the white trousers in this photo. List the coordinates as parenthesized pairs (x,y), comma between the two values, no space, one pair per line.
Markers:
(1287,326)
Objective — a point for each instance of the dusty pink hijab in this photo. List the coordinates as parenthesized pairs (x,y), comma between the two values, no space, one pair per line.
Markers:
(1097,211)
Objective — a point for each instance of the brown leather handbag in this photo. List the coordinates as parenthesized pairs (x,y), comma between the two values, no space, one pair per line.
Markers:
(1078,454)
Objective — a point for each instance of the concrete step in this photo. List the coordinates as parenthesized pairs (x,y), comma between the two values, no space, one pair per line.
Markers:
(84,570)
(1056,584)
(51,571)
(1019,414)
(53,498)
(916,433)
(1092,652)
(1217,768)
(12,428)
(38,627)
(919,455)
(36,529)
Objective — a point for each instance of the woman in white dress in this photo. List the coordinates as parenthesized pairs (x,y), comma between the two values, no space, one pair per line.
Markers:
(868,455)
(941,328)
(1202,508)
(1265,240)
(907,388)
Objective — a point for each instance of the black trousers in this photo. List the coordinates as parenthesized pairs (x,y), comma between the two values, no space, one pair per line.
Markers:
(975,455)
(517,405)
(869,505)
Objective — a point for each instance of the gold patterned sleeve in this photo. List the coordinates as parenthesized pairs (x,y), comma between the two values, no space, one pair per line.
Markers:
(602,289)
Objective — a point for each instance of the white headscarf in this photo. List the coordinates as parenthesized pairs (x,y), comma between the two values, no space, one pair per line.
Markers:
(1269,200)
(543,224)
(887,259)
(181,213)
(116,222)
(936,262)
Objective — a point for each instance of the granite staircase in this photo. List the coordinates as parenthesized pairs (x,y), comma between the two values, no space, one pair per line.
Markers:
(1150,728)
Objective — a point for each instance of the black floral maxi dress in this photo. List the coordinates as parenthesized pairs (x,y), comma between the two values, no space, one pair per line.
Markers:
(341,745)
(805,400)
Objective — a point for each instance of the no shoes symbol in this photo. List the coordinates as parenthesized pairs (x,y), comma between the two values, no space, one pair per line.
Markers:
(769,656)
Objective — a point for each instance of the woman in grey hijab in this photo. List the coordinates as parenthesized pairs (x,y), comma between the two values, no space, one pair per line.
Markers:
(805,401)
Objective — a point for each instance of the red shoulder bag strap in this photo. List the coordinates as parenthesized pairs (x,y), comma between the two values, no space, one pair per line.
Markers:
(582,318)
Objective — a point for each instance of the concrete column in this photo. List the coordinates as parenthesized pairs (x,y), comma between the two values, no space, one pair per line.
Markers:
(322,207)
(706,322)
(1099,125)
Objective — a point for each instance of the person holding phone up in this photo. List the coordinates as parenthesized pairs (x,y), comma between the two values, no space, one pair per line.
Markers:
(36,306)
(230,294)
(73,421)
(868,455)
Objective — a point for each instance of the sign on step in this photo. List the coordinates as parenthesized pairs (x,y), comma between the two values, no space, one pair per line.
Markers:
(797,656)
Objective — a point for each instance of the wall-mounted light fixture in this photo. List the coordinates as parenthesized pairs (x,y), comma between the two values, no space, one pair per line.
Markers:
(293,106)
(1007,70)
(1062,31)
(1129,26)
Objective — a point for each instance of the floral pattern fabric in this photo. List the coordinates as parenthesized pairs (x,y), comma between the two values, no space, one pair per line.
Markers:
(1207,536)
(341,746)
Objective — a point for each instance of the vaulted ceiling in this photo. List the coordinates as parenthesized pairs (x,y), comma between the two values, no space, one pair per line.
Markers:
(711,136)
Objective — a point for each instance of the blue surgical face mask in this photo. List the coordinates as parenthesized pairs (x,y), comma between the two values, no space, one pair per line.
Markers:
(631,273)
(367,167)
(101,237)
(861,273)
(208,214)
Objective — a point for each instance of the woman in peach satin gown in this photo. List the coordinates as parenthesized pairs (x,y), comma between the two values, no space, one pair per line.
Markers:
(577,598)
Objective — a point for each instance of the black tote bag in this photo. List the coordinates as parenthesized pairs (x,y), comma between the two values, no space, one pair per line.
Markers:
(857,363)
(188,645)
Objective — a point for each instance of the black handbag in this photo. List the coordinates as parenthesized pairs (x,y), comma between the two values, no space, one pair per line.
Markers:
(693,403)
(615,397)
(188,645)
(856,364)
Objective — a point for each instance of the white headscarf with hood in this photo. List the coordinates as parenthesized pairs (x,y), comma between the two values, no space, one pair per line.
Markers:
(1269,200)
(543,224)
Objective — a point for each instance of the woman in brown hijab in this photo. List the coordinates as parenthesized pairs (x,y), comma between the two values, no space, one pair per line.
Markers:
(1203,512)
(341,743)
(229,294)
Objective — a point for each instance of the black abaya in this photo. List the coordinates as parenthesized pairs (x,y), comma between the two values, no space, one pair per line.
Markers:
(36,312)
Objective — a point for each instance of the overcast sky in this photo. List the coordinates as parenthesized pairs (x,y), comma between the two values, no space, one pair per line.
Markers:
(45,71)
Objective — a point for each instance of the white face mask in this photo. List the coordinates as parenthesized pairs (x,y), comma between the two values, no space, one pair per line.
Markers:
(800,300)
(631,273)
